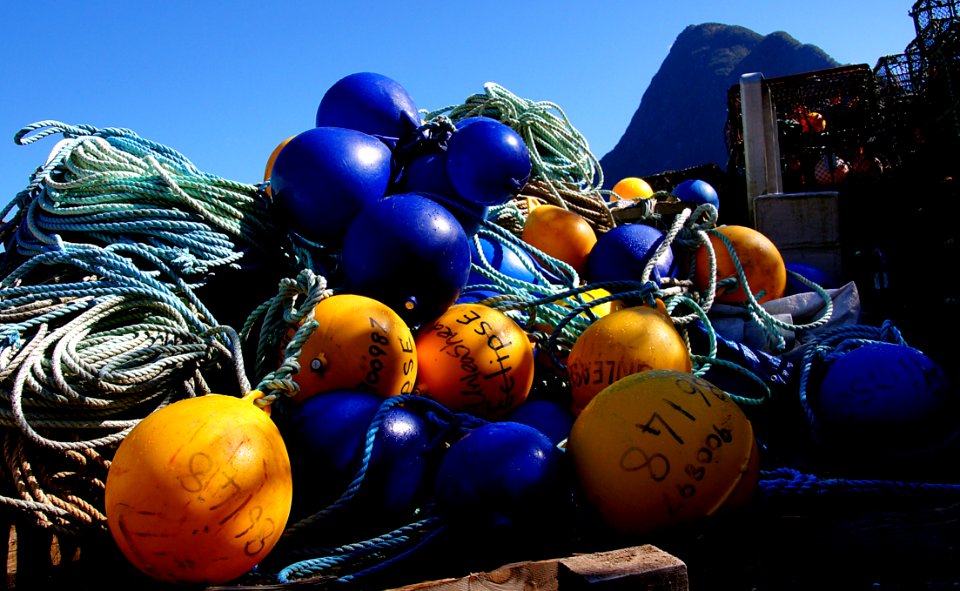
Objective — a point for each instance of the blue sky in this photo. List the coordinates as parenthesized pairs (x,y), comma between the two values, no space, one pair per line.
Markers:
(225,82)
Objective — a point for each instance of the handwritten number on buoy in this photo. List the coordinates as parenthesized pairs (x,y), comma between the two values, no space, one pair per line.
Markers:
(264,529)
(712,442)
(199,466)
(647,428)
(376,350)
(635,458)
(658,465)
(692,387)
(695,472)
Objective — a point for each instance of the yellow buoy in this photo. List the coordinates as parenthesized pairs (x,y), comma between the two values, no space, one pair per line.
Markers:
(589,296)
(633,187)
(200,490)
(626,341)
(662,448)
(360,343)
(475,359)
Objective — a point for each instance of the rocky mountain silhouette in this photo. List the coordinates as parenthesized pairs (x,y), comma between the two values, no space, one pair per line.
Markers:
(680,121)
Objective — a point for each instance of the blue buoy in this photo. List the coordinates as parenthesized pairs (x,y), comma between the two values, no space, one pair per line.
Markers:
(550,417)
(499,475)
(488,162)
(884,397)
(427,174)
(326,436)
(410,253)
(622,253)
(324,176)
(372,103)
(697,191)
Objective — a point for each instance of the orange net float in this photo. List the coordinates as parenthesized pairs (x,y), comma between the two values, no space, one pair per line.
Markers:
(475,359)
(560,233)
(200,490)
(761,261)
(359,343)
(623,342)
(268,169)
(662,448)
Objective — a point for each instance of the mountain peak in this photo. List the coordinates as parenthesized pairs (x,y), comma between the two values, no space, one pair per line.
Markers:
(680,120)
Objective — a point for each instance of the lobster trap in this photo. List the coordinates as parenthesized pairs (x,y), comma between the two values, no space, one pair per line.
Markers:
(929,15)
(827,122)
(920,91)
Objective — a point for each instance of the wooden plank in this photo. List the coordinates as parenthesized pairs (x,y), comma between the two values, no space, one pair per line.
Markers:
(10,573)
(638,567)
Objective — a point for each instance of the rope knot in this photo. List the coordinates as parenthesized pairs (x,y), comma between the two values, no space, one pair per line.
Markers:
(10,338)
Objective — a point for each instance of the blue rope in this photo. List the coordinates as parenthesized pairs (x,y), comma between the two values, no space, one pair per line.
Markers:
(383,551)
(392,546)
(788,482)
(450,425)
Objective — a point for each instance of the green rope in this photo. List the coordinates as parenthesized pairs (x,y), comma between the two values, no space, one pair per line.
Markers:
(100,324)
(559,153)
(291,308)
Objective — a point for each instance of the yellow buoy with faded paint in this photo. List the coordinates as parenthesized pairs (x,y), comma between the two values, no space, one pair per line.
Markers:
(661,448)
(360,343)
(200,490)
(626,341)
(475,359)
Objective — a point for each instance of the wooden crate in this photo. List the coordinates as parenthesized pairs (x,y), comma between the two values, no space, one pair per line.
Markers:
(805,227)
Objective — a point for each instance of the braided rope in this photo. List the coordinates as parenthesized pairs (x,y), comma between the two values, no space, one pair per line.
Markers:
(589,205)
(382,551)
(291,309)
(790,482)
(57,504)
(99,321)
(563,169)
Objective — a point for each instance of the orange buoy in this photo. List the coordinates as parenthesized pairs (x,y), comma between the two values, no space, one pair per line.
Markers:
(200,490)
(812,122)
(563,234)
(475,359)
(661,448)
(268,170)
(624,342)
(762,264)
(360,343)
